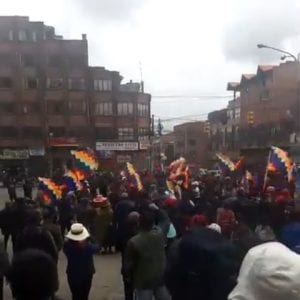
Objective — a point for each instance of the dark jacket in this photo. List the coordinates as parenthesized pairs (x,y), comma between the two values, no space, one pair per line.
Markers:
(202,265)
(55,231)
(145,259)
(37,237)
(80,260)
(290,236)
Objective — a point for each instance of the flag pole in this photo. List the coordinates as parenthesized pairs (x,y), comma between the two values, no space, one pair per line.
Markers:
(266,173)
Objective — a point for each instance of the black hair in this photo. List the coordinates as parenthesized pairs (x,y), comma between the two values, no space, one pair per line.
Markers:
(33,275)
(147,220)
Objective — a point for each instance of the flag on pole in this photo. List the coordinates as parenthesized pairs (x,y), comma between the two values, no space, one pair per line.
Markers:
(137,179)
(227,165)
(72,181)
(85,161)
(51,191)
(280,160)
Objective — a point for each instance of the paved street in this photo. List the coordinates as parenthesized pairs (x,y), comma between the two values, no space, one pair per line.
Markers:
(107,283)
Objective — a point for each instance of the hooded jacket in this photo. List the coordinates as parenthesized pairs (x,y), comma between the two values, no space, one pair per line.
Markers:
(269,272)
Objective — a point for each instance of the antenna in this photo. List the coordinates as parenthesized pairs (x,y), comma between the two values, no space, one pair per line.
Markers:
(141,74)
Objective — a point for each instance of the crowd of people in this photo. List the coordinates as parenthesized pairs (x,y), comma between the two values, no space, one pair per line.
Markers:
(211,241)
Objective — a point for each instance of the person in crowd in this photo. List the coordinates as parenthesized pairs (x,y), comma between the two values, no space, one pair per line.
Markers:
(201,265)
(264,231)
(6,222)
(269,271)
(85,213)
(145,260)
(80,268)
(27,187)
(226,219)
(18,212)
(131,229)
(4,266)
(121,212)
(50,224)
(290,233)
(36,237)
(66,211)
(11,185)
(33,275)
(103,223)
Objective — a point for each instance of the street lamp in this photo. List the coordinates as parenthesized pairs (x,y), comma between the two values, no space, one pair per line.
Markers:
(286,53)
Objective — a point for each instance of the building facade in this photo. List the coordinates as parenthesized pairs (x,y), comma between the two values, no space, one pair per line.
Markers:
(191,141)
(52,101)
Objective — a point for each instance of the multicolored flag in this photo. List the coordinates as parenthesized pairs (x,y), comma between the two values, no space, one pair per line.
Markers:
(52,192)
(133,173)
(71,181)
(85,162)
(281,162)
(227,165)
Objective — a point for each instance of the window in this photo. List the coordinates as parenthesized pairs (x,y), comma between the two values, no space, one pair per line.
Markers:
(8,131)
(125,134)
(143,131)
(30,108)
(32,132)
(27,60)
(34,36)
(30,83)
(102,85)
(76,84)
(265,95)
(8,108)
(6,83)
(103,109)
(54,83)
(125,109)
(107,85)
(55,61)
(143,110)
(55,107)
(22,35)
(77,107)
(237,113)
(10,35)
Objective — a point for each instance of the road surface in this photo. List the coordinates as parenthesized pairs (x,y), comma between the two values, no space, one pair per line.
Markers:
(107,282)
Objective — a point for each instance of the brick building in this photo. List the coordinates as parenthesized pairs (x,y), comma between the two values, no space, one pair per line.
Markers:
(269,105)
(51,100)
(191,142)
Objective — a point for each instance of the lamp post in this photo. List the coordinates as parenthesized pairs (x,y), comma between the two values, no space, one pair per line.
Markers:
(286,53)
(297,60)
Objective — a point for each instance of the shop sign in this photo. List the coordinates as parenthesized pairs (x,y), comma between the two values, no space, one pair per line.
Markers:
(14,154)
(117,146)
(63,142)
(37,151)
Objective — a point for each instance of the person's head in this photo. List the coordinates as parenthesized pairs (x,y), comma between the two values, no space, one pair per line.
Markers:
(146,220)
(269,271)
(133,218)
(34,218)
(78,233)
(33,275)
(199,221)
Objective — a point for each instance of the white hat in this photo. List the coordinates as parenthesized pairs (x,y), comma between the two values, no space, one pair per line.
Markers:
(77,233)
(269,271)
(215,227)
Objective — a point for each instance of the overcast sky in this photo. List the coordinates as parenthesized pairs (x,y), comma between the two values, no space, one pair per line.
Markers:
(188,48)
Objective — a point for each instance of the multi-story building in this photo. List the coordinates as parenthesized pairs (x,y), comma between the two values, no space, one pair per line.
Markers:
(269,105)
(191,142)
(51,100)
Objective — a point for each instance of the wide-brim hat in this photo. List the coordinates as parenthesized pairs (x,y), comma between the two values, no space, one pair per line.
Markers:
(101,201)
(78,233)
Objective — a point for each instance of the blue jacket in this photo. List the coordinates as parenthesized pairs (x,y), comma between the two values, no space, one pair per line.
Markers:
(290,236)
(80,260)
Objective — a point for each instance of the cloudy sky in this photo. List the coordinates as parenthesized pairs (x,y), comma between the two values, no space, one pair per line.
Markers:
(188,49)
